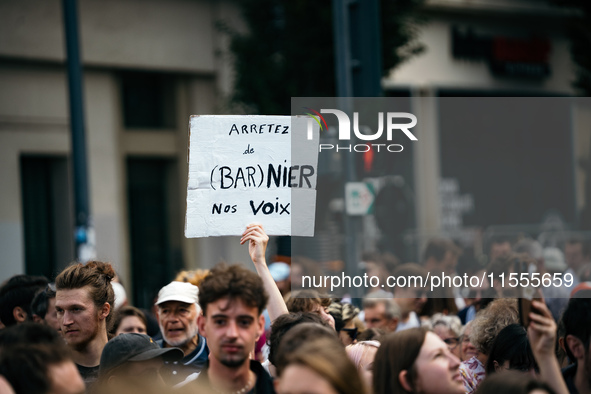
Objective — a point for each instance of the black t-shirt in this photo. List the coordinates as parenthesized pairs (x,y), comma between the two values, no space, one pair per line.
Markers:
(89,375)
(568,374)
(264,383)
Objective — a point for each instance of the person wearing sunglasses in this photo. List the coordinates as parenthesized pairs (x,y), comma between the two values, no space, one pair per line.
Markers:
(448,328)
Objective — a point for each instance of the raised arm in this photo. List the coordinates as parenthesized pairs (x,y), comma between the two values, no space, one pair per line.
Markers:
(542,337)
(257,245)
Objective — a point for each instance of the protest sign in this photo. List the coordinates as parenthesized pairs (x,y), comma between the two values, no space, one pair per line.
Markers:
(251,169)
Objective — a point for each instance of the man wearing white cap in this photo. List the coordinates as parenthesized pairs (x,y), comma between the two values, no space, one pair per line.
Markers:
(177,316)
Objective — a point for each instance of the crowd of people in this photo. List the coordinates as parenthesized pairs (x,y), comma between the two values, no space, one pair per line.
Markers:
(233,330)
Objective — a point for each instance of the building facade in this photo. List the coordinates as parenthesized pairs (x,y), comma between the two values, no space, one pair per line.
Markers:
(485,52)
(147,66)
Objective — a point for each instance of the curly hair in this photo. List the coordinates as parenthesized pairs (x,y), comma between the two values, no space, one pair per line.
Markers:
(194,277)
(490,321)
(232,281)
(97,275)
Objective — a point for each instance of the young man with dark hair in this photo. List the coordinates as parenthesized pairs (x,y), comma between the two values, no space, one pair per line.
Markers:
(281,326)
(29,333)
(499,246)
(84,301)
(232,299)
(300,335)
(41,369)
(43,307)
(34,359)
(16,295)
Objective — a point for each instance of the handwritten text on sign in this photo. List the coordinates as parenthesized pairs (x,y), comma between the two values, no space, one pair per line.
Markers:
(246,169)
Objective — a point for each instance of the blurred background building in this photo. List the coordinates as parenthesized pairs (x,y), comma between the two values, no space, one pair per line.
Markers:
(493,175)
(150,64)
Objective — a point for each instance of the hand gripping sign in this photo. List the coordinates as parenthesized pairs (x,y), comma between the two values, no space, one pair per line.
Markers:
(246,169)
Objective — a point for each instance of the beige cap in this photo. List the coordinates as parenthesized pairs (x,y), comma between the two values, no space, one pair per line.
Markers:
(178,291)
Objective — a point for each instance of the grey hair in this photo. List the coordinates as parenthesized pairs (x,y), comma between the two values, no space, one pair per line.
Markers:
(452,323)
(392,309)
(465,327)
(489,322)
